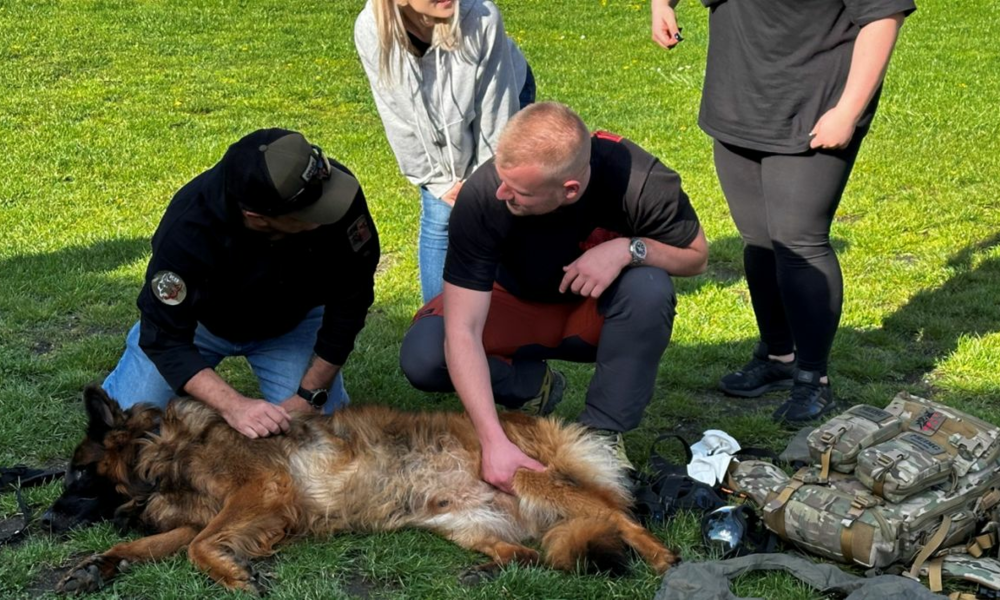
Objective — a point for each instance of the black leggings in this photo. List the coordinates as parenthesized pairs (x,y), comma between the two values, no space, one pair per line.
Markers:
(783,205)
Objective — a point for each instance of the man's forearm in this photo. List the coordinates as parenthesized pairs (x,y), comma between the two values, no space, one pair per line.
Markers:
(320,374)
(207,386)
(681,262)
(470,374)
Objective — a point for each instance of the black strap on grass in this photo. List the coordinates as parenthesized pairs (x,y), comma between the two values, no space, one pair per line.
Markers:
(15,528)
(15,479)
(668,489)
(12,478)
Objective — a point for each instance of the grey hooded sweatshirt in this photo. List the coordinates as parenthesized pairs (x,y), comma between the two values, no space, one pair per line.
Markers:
(443,111)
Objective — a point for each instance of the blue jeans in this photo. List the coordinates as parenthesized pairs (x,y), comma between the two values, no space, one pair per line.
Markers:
(434,213)
(278,363)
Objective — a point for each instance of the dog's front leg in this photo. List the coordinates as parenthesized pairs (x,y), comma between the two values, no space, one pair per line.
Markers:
(253,519)
(93,572)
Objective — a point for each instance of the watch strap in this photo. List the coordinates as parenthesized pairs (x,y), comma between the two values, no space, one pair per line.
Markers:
(311,396)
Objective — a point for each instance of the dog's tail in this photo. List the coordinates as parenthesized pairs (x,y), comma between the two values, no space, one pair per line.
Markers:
(587,544)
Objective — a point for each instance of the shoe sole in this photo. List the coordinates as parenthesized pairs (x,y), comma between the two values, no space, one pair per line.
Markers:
(826,409)
(555,394)
(774,386)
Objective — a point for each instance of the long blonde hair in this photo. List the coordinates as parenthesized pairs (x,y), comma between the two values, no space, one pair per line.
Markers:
(392,34)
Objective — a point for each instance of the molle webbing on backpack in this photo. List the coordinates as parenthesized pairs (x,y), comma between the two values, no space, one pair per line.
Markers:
(984,571)
(890,486)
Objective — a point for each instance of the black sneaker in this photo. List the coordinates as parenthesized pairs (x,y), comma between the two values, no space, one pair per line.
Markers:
(810,399)
(759,376)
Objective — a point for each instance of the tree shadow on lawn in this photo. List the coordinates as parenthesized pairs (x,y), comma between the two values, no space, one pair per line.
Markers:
(867,366)
(915,339)
(51,292)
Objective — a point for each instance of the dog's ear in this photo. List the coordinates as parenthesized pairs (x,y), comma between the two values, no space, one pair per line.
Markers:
(102,411)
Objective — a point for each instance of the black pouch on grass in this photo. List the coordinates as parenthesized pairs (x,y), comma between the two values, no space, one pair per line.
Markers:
(668,489)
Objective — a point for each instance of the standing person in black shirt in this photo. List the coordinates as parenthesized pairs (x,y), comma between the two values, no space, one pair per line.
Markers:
(790,91)
(563,247)
(271,255)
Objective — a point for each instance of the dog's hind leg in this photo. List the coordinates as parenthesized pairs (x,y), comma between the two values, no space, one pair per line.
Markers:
(549,496)
(646,544)
(92,573)
(251,522)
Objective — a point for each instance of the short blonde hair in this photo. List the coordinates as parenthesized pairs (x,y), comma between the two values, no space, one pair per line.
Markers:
(392,34)
(547,134)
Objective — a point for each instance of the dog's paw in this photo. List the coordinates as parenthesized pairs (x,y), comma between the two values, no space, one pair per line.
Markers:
(477,575)
(87,576)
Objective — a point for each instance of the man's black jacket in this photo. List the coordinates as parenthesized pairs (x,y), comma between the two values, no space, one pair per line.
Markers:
(243,286)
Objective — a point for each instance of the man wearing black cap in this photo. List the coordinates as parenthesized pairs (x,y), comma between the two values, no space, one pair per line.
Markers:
(271,255)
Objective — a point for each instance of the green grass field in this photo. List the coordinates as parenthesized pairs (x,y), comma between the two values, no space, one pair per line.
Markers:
(107,107)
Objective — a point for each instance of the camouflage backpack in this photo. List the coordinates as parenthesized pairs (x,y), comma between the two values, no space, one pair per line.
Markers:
(896,485)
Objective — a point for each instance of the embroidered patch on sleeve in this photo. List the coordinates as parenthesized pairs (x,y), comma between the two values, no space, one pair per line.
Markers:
(169,288)
(359,233)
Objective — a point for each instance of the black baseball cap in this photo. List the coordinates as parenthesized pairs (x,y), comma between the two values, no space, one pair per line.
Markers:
(277,172)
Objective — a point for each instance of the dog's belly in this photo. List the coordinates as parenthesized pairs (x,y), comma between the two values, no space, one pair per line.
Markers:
(382,487)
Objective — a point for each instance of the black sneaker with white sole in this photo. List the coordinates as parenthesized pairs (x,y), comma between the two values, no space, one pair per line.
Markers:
(759,376)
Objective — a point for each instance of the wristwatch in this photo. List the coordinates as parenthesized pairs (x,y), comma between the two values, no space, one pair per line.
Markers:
(637,248)
(315,398)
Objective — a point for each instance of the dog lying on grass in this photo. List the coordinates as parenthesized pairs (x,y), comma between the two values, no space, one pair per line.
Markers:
(185,475)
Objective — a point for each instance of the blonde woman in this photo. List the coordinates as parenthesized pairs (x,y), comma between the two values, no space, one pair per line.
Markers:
(446,78)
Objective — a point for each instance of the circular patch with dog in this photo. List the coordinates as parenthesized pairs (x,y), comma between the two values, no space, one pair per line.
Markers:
(169,288)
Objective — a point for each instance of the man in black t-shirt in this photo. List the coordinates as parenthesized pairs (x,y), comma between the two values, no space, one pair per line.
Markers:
(562,248)
(271,255)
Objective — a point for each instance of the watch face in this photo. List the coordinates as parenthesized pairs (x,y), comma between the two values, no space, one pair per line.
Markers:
(319,398)
(638,250)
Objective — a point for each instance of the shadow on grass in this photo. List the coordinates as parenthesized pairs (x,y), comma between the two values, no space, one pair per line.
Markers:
(51,300)
(868,366)
(920,335)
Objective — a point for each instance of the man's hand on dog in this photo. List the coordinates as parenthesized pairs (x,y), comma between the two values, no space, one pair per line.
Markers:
(502,460)
(257,418)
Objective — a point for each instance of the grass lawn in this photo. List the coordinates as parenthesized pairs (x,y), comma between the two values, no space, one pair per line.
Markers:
(107,107)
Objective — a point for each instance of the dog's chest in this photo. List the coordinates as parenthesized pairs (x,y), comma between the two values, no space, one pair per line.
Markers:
(387,484)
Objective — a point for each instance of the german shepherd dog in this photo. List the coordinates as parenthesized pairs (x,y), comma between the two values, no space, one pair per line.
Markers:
(185,475)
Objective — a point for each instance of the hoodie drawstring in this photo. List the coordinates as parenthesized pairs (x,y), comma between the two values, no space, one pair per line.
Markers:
(447,136)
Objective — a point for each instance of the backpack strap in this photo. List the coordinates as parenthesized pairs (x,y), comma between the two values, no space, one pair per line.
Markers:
(981,543)
(930,548)
(934,573)
(774,510)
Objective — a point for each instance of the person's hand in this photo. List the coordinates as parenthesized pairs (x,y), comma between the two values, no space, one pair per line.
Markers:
(257,418)
(501,461)
(297,405)
(451,195)
(665,30)
(596,269)
(834,130)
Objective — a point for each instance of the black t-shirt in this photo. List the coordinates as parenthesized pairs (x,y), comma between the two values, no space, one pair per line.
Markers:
(631,193)
(776,66)
(243,286)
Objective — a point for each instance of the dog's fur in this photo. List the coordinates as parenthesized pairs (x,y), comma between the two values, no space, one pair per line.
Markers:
(194,481)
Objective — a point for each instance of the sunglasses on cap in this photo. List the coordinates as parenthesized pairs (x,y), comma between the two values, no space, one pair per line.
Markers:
(316,173)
